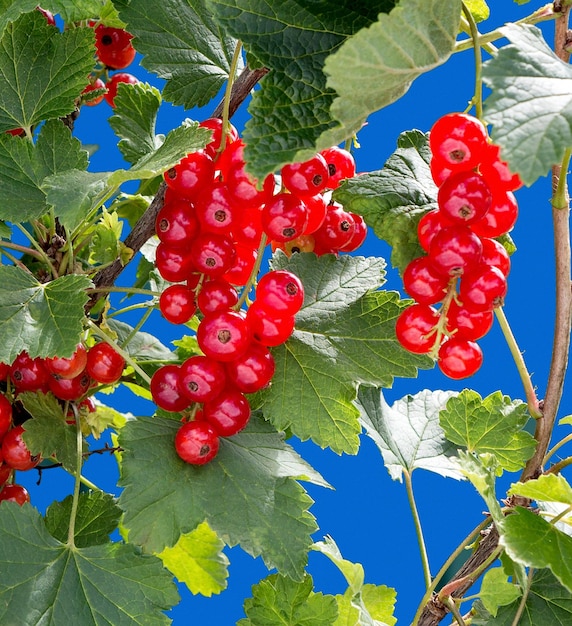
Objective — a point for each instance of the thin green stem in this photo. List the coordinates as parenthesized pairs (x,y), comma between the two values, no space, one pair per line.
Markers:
(529,392)
(560,515)
(558,467)
(524,598)
(127,290)
(137,327)
(452,606)
(14,259)
(133,307)
(445,567)
(85,481)
(75,500)
(418,529)
(252,279)
(555,448)
(560,197)
(475,36)
(103,335)
(228,92)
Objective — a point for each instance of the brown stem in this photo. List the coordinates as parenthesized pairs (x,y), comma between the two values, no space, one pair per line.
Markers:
(145,227)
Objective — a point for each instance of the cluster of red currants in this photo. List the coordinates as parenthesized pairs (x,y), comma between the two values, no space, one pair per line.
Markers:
(465,268)
(214,224)
(114,51)
(68,379)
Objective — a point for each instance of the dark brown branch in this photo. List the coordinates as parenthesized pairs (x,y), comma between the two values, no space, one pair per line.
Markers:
(145,227)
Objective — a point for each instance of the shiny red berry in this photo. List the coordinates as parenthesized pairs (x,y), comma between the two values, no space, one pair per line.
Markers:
(228,413)
(14,493)
(197,442)
(15,451)
(104,364)
(459,358)
(166,390)
(224,335)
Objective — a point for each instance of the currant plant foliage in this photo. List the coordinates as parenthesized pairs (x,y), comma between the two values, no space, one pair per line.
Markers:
(247,244)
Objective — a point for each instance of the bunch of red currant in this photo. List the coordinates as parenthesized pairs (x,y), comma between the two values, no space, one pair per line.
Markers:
(114,51)
(68,379)
(213,226)
(465,268)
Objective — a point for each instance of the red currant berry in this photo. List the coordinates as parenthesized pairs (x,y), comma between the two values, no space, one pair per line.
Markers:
(29,374)
(4,371)
(244,260)
(317,209)
(224,335)
(243,189)
(423,283)
(494,253)
(201,378)
(113,47)
(336,231)
(455,250)
(71,388)
(191,174)
(212,254)
(341,165)
(214,210)
(440,170)
(177,304)
(429,225)
(248,227)
(306,178)
(216,295)
(459,140)
(464,197)
(466,324)
(196,442)
(174,264)
(500,218)
(114,82)
(303,243)
(215,124)
(280,292)
(253,370)
(104,364)
(14,493)
(415,328)
(268,329)
(69,367)
(284,217)
(166,389)
(15,451)
(483,289)
(459,358)
(359,236)
(497,171)
(177,224)
(232,155)
(5,415)
(228,413)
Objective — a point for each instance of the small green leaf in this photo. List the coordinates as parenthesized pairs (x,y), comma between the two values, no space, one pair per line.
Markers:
(520,75)
(353,572)
(44,581)
(277,601)
(45,319)
(182,43)
(97,517)
(531,540)
(24,167)
(496,591)
(42,70)
(479,9)
(393,200)
(481,470)
(196,560)
(376,66)
(142,346)
(133,120)
(48,434)
(248,494)
(493,424)
(78,10)
(547,488)
(548,604)
(408,433)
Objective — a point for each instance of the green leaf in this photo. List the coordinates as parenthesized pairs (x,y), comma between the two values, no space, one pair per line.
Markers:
(48,434)
(547,604)
(377,66)
(11,10)
(496,591)
(408,433)
(481,470)
(547,488)
(393,200)
(353,572)
(97,517)
(74,194)
(44,581)
(196,560)
(42,70)
(531,540)
(522,74)
(479,9)
(24,166)
(46,319)
(493,424)
(247,494)
(344,335)
(142,346)
(291,110)
(182,43)
(77,10)
(379,602)
(279,601)
(133,120)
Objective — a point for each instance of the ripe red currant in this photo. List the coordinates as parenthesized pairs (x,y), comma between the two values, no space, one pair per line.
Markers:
(177,224)
(415,328)
(253,370)
(196,442)
(191,174)
(423,283)
(228,413)
(29,374)
(216,295)
(224,335)
(467,324)
(341,165)
(113,47)
(459,358)
(459,140)
(69,367)
(114,82)
(464,197)
(14,493)
(5,415)
(284,217)
(177,304)
(15,451)
(201,378)
(104,364)
(267,328)
(483,289)
(166,390)
(306,178)
(280,292)
(455,250)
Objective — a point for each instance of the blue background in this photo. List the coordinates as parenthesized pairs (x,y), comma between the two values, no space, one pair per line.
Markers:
(367,514)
